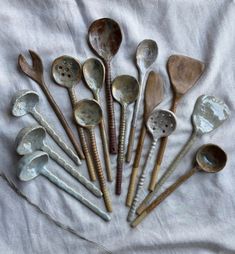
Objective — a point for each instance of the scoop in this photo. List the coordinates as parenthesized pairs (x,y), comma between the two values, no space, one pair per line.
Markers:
(88,114)
(125,90)
(146,55)
(26,101)
(209,158)
(161,123)
(34,164)
(31,139)
(208,114)
(66,72)
(105,38)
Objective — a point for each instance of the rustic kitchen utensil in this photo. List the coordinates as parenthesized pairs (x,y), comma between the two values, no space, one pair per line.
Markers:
(184,72)
(93,73)
(125,90)
(88,114)
(66,72)
(208,114)
(161,123)
(153,96)
(34,164)
(26,101)
(35,72)
(209,158)
(146,55)
(105,38)
(31,139)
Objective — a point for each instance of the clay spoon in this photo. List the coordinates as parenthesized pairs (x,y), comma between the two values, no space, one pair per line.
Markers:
(209,158)
(160,123)
(146,55)
(31,139)
(93,73)
(153,96)
(66,72)
(26,101)
(208,114)
(125,90)
(34,164)
(88,114)
(105,38)
(184,73)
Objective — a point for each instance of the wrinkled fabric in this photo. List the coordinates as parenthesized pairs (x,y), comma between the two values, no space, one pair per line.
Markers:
(199,217)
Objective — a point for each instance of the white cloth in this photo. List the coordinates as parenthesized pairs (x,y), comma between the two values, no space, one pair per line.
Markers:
(199,217)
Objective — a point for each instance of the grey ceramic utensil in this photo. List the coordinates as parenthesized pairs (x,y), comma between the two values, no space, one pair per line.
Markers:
(31,139)
(93,73)
(160,123)
(34,164)
(208,114)
(125,90)
(26,101)
(146,55)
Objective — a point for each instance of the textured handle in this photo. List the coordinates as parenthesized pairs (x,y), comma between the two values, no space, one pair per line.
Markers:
(62,185)
(130,144)
(70,169)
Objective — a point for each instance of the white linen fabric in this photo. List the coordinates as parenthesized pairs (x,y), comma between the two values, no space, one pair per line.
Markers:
(200,216)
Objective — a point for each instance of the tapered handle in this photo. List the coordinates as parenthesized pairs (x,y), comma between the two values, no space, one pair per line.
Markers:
(130,144)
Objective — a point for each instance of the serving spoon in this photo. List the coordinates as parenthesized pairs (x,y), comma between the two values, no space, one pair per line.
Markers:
(209,158)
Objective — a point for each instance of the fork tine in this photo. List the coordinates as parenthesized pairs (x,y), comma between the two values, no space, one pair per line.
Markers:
(37,61)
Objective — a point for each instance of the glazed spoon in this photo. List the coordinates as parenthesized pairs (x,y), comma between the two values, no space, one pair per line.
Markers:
(34,164)
(209,158)
(184,73)
(26,101)
(208,114)
(31,139)
(105,37)
(88,114)
(153,96)
(66,72)
(160,123)
(125,91)
(93,73)
(146,55)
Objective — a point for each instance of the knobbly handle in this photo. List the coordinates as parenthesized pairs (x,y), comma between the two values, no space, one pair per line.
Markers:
(130,144)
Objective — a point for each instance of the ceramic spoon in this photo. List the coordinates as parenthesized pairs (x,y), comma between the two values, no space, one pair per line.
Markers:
(67,72)
(88,114)
(105,38)
(125,90)
(209,158)
(35,72)
(26,101)
(153,96)
(93,72)
(184,72)
(34,164)
(161,123)
(146,55)
(31,139)
(208,114)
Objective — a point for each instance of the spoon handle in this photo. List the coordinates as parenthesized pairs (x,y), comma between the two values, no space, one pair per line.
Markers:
(71,170)
(62,185)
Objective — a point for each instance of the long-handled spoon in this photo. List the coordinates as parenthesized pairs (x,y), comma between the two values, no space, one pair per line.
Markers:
(153,96)
(66,72)
(184,72)
(26,101)
(146,55)
(208,114)
(34,164)
(105,38)
(161,123)
(93,73)
(31,139)
(88,114)
(209,158)
(125,90)
(35,72)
